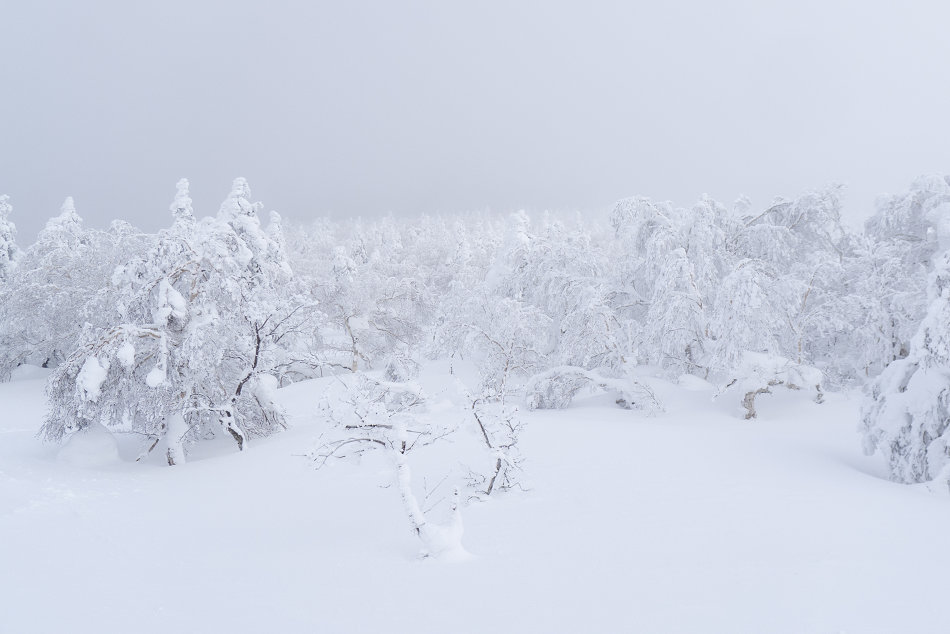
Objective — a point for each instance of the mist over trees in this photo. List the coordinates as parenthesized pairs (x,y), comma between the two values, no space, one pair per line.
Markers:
(183,335)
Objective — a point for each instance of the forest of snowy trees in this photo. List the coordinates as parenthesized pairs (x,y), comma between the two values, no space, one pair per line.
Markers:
(185,334)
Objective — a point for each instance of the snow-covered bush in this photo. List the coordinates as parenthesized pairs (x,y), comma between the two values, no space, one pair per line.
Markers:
(758,373)
(556,388)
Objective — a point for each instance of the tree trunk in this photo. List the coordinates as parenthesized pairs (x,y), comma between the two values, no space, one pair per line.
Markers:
(229,423)
(174,439)
(417,518)
(749,401)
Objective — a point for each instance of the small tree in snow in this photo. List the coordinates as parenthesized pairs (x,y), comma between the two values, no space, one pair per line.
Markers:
(368,414)
(499,426)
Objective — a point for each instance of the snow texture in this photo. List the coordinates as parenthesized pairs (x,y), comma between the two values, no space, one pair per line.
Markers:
(780,527)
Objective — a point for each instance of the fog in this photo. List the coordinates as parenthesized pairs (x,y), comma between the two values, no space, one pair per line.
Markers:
(359,108)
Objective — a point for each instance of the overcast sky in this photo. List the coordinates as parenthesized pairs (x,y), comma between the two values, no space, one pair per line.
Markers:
(354,107)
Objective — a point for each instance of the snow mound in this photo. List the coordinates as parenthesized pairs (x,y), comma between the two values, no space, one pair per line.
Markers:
(94,446)
(694,383)
(28,372)
(443,544)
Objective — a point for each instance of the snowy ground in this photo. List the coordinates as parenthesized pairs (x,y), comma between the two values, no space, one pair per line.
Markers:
(693,521)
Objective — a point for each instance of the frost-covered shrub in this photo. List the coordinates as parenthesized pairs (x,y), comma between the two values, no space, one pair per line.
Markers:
(401,367)
(557,387)
(758,373)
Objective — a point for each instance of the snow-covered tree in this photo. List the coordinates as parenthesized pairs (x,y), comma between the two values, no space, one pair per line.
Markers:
(55,274)
(367,414)
(676,323)
(744,316)
(562,274)
(671,261)
(9,251)
(646,232)
(499,426)
(508,339)
(373,307)
(205,317)
(62,282)
(907,414)
(900,254)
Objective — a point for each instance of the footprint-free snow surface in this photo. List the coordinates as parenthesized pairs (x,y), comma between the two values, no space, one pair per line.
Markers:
(693,520)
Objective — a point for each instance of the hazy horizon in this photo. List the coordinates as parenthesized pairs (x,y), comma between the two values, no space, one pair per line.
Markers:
(365,108)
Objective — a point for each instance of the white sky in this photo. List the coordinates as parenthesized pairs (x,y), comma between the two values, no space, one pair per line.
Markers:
(356,107)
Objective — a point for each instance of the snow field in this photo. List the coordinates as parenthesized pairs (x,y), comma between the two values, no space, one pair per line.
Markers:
(690,521)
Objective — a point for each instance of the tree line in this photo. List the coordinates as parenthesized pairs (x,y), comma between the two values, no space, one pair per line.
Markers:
(185,334)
